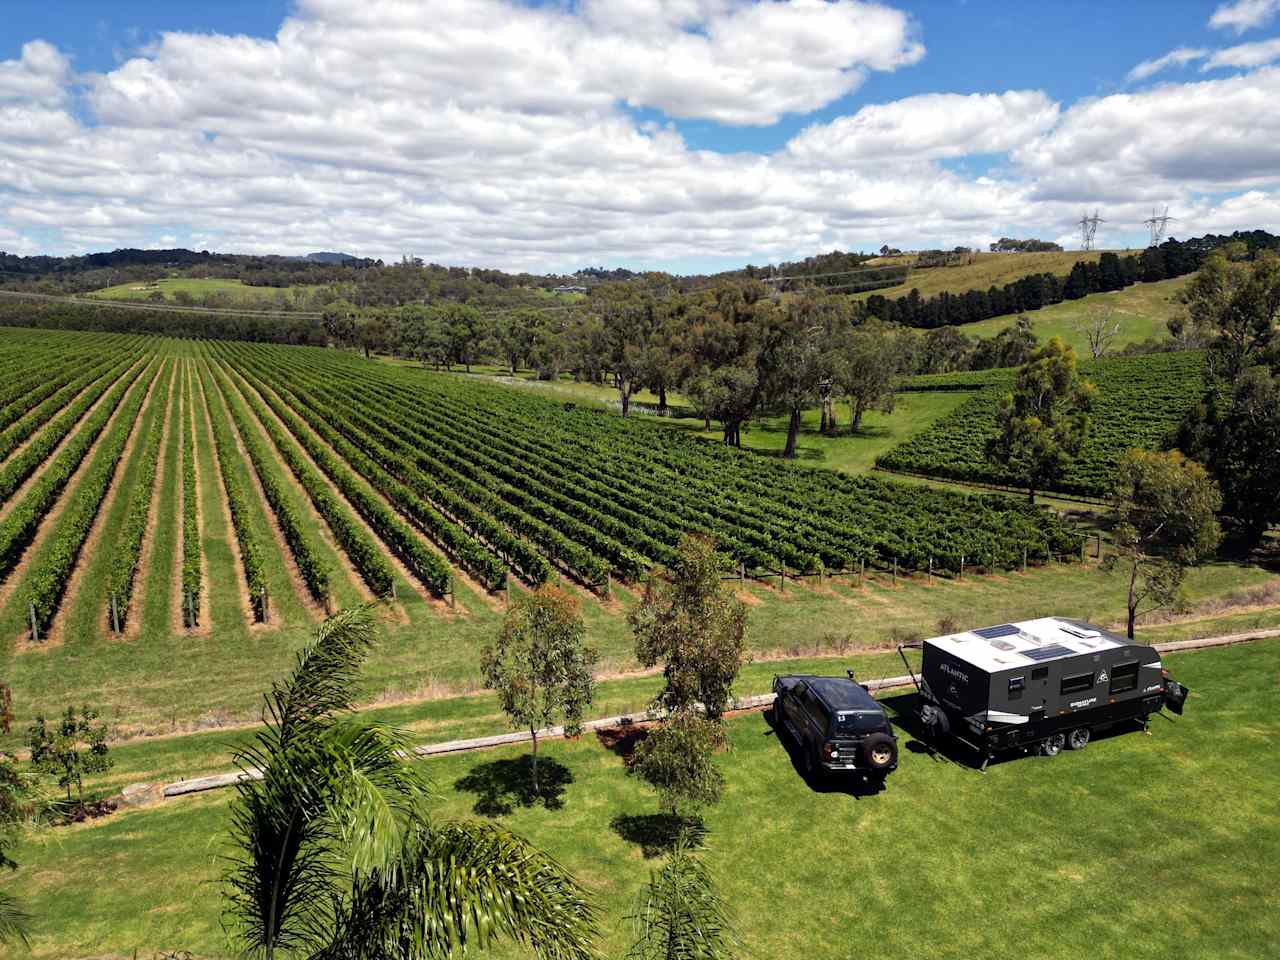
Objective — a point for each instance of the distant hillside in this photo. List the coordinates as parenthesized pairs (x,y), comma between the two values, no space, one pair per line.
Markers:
(328,257)
(986,270)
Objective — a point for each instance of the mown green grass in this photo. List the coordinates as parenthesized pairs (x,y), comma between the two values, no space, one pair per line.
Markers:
(1146,847)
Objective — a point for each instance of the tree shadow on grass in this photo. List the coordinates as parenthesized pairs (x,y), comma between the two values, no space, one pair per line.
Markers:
(656,833)
(502,785)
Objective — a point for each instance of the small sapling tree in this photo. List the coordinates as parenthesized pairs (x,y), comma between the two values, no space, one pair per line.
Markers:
(1163,507)
(541,667)
(691,623)
(75,745)
(678,760)
(1042,424)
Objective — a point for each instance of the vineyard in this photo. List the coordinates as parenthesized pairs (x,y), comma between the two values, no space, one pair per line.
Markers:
(355,477)
(1139,402)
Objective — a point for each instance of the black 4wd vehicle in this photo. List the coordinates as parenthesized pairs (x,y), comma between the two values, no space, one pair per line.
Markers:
(836,724)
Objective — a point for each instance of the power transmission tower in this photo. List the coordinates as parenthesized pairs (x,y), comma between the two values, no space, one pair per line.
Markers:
(1158,225)
(1089,229)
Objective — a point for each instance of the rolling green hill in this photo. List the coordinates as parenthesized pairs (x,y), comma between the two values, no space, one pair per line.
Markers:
(987,270)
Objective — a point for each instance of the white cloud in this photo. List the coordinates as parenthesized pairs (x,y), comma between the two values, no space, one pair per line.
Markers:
(1214,135)
(930,126)
(38,77)
(1174,58)
(495,133)
(1245,55)
(1242,15)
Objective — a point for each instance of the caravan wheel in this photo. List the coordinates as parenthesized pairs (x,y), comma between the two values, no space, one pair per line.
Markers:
(1079,738)
(1053,746)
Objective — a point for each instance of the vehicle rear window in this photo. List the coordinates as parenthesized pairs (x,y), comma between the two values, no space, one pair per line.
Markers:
(848,724)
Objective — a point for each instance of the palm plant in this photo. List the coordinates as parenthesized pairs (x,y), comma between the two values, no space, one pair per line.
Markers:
(336,855)
(679,915)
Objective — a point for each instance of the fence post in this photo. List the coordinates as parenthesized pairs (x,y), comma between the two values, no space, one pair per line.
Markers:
(393,589)
(895,571)
(507,586)
(1097,553)
(451,597)
(931,569)
(782,577)
(115,614)
(35,630)
(962,566)
(1083,541)
(608,585)
(742,567)
(1024,559)
(862,572)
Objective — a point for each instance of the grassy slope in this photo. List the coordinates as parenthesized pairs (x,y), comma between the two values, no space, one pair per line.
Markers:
(1120,845)
(237,289)
(1142,309)
(988,270)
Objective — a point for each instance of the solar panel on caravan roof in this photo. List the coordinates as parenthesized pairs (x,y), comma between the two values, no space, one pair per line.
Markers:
(1003,630)
(1048,653)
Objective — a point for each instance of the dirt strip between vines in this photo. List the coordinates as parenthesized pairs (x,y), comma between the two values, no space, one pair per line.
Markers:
(203,417)
(133,625)
(347,569)
(315,611)
(89,548)
(50,521)
(437,605)
(7,507)
(748,703)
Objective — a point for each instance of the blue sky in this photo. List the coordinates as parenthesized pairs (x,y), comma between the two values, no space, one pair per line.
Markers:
(589,146)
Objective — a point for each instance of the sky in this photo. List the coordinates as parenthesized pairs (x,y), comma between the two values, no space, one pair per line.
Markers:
(685,135)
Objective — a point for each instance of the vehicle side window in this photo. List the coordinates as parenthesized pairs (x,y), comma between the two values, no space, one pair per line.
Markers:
(1124,677)
(1077,683)
(816,710)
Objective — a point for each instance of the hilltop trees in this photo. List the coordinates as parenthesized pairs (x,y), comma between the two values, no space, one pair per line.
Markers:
(1043,422)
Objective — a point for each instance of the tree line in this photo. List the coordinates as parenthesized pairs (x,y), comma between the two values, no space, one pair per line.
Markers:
(1112,272)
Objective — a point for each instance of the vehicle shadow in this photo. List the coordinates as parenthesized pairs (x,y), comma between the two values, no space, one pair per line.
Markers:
(855,785)
(902,714)
(502,785)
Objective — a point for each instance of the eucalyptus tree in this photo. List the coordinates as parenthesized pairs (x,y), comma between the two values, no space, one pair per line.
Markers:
(335,856)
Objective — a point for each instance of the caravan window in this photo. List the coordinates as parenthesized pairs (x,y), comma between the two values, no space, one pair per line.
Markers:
(1016,686)
(1124,677)
(1078,683)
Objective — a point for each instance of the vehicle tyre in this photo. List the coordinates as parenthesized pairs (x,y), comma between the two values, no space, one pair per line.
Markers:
(879,752)
(1078,738)
(1053,746)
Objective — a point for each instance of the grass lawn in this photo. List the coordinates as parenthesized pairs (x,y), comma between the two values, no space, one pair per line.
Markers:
(169,287)
(1142,309)
(1153,847)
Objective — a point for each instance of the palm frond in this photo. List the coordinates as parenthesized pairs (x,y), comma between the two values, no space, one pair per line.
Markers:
(462,885)
(14,921)
(280,883)
(679,915)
